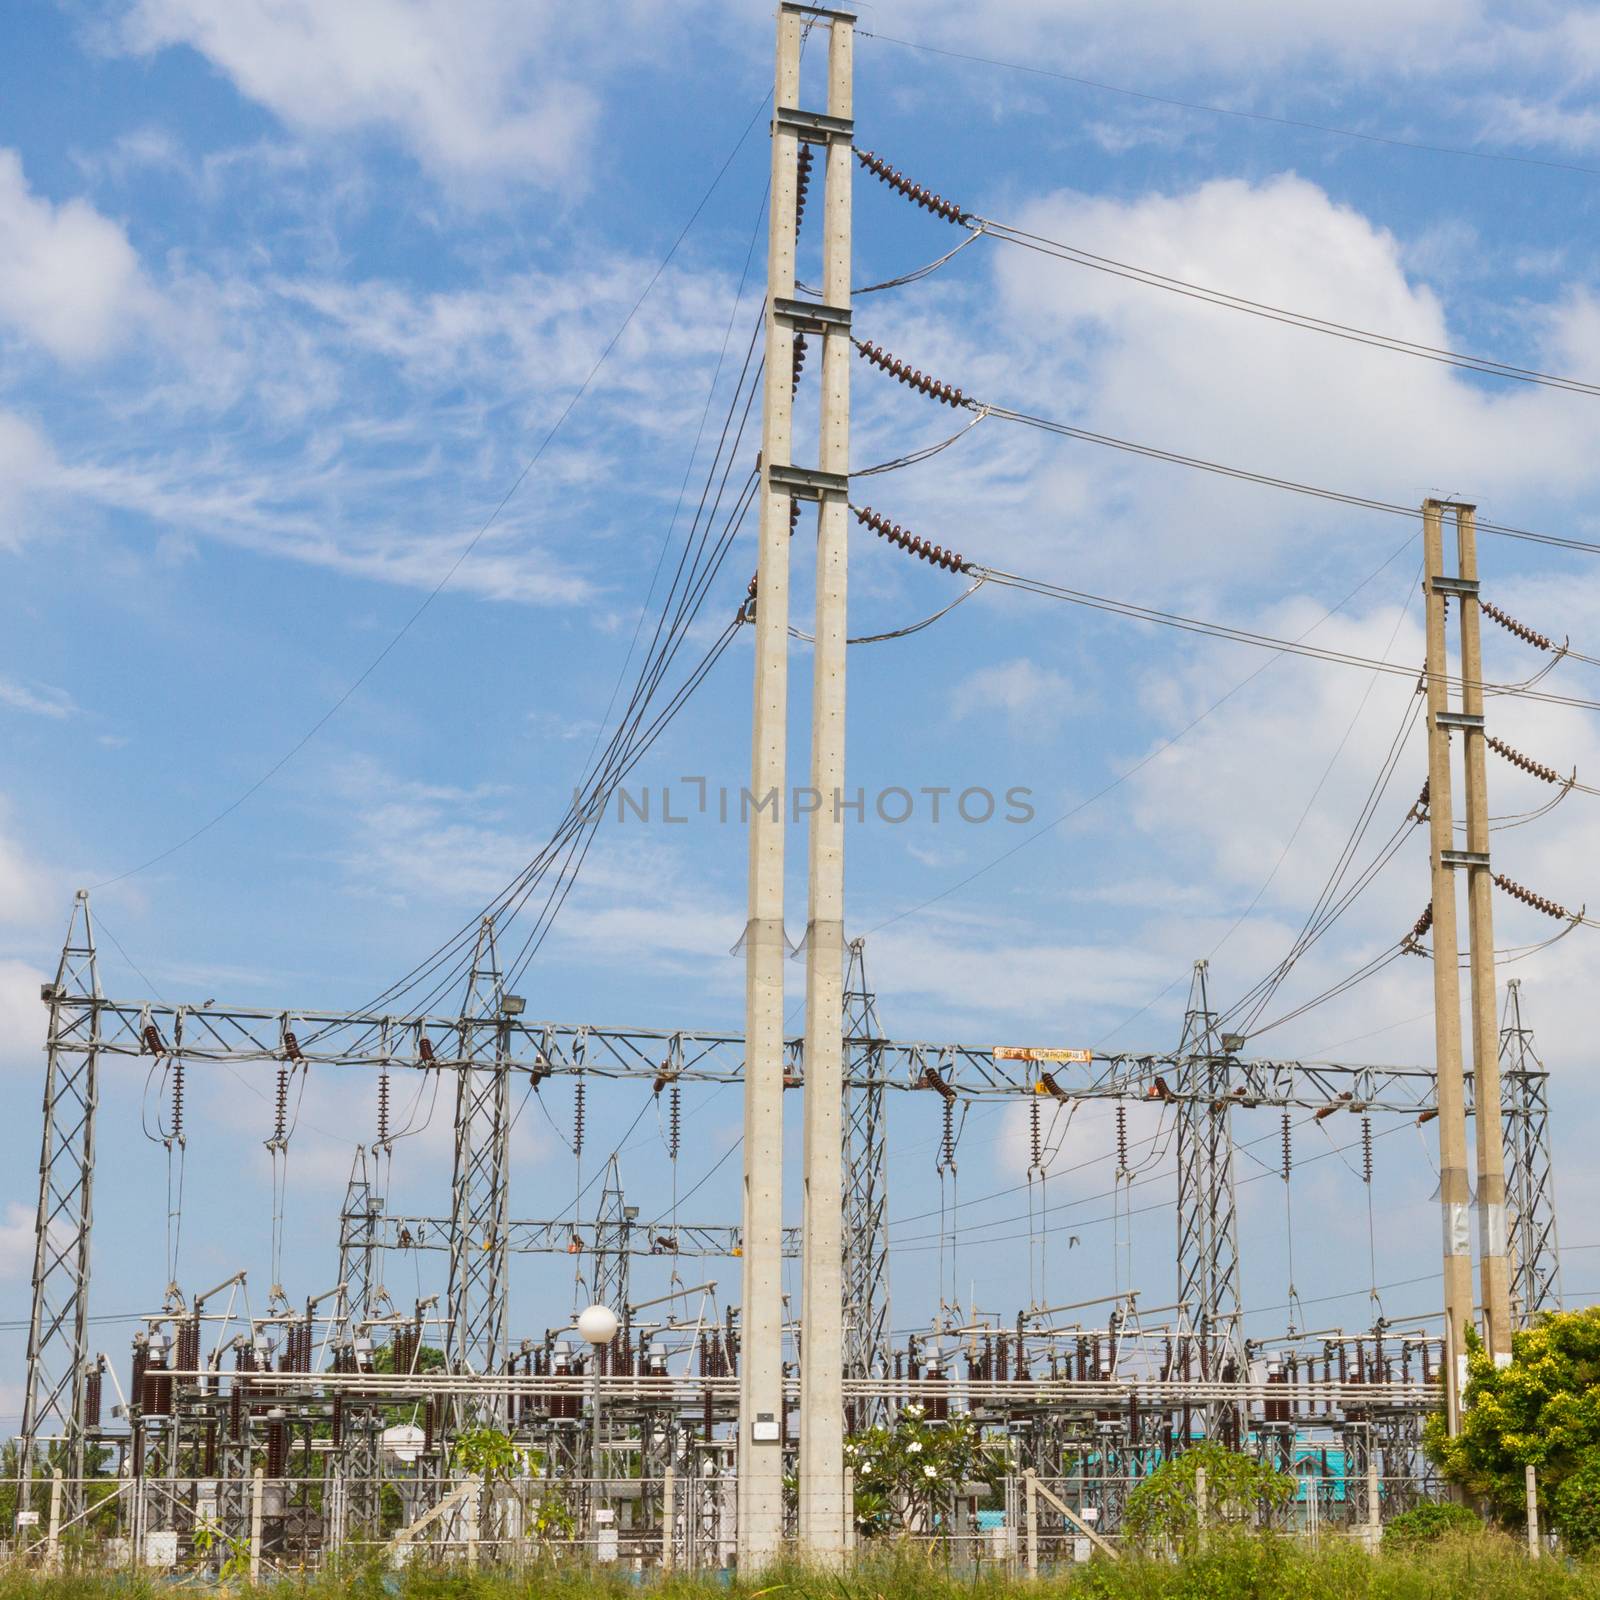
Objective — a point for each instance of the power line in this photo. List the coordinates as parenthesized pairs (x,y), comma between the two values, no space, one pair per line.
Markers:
(472,544)
(1392,140)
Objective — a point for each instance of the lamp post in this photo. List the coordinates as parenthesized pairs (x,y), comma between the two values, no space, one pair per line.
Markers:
(598,1324)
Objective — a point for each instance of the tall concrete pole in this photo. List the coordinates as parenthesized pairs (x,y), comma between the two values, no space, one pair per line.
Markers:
(1495,1277)
(1453,1193)
(822,1508)
(760,1463)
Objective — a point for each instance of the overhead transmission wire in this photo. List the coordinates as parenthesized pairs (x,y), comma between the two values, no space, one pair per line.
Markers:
(1393,141)
(1076,255)
(477,538)
(637,728)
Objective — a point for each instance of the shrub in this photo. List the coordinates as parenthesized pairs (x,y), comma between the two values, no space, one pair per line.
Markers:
(1426,1525)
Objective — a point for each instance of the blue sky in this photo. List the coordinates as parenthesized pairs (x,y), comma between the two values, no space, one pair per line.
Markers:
(289,296)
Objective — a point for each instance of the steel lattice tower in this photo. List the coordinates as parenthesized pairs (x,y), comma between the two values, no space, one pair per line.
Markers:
(866,1221)
(1208,1222)
(1530,1184)
(476,1336)
(613,1223)
(358,1238)
(58,1324)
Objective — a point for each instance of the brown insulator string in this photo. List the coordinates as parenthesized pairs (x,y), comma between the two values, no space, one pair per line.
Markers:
(383,1109)
(1411,945)
(896,368)
(1034,1142)
(1529,898)
(801,184)
(1122,1137)
(896,535)
(1527,763)
(799,367)
(914,192)
(1419,812)
(1511,625)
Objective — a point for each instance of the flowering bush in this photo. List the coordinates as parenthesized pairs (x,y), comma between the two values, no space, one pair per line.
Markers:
(906,1472)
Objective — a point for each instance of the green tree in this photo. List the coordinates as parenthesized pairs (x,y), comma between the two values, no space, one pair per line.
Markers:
(904,1473)
(1543,1410)
(1238,1488)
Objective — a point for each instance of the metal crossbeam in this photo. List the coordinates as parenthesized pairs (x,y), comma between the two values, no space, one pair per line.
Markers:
(348,1041)
(558,1236)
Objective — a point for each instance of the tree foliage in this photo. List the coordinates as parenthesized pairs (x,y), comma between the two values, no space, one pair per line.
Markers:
(904,1473)
(1238,1488)
(1542,1410)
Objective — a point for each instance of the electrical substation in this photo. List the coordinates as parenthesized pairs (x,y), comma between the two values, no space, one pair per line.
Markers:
(295,1422)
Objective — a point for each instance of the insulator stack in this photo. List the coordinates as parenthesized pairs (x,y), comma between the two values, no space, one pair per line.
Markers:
(674,1120)
(799,361)
(802,183)
(1529,898)
(177,1099)
(578,1098)
(1366,1150)
(947,393)
(947,1136)
(427,1428)
(91,1397)
(152,1039)
(896,535)
(383,1109)
(1035,1144)
(1419,812)
(794,517)
(914,192)
(1288,1147)
(337,1421)
(1526,763)
(277,1447)
(1511,625)
(1411,944)
(189,1344)
(1122,1137)
(280,1107)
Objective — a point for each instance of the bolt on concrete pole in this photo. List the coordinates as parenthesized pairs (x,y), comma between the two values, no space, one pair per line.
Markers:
(1494,1270)
(760,1459)
(1453,1192)
(822,1508)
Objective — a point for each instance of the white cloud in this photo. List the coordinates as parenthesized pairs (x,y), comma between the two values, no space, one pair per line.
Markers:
(1034,699)
(474,92)
(39,699)
(22,1013)
(69,278)
(16,1240)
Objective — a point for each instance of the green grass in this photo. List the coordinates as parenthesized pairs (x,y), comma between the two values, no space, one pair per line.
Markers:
(1477,1567)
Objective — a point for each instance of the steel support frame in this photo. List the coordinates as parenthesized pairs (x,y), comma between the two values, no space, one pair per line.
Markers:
(1530,1181)
(866,1194)
(477,1296)
(58,1358)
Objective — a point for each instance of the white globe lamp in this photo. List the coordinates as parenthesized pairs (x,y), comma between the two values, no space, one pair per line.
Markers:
(598,1324)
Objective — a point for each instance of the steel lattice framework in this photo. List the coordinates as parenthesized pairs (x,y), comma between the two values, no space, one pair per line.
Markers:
(476,1338)
(488,1044)
(1530,1183)
(866,1213)
(58,1331)
(1208,1218)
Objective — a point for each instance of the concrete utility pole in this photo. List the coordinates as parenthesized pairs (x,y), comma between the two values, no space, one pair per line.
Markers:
(1453,1194)
(1495,1277)
(823,1514)
(760,1460)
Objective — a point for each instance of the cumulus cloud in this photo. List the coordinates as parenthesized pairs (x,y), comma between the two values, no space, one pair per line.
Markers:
(69,278)
(468,93)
